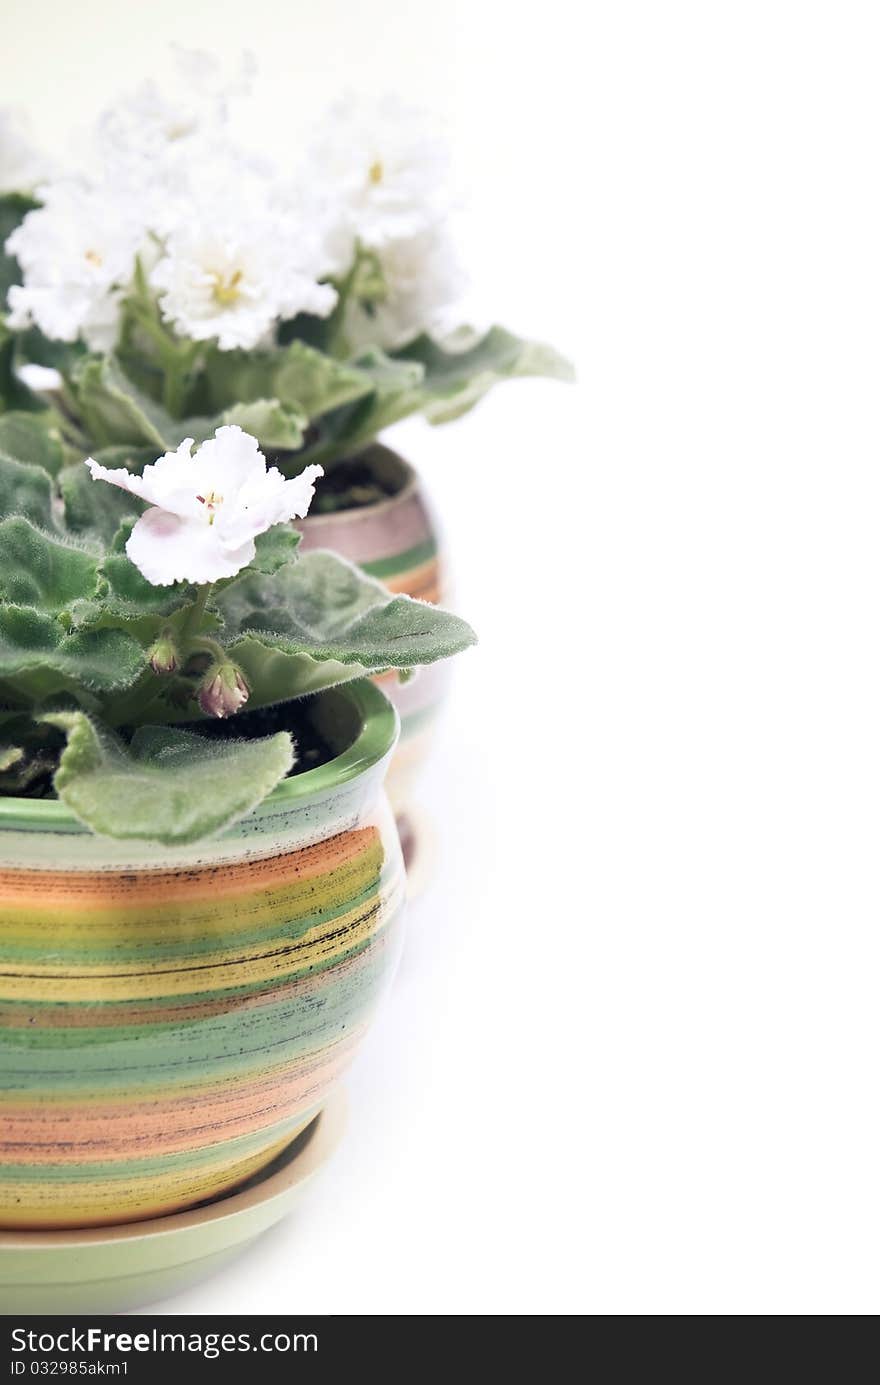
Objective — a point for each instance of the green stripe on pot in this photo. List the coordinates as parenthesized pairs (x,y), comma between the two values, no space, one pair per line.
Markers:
(401,562)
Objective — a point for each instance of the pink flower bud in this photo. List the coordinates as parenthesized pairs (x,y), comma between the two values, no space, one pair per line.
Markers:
(223,691)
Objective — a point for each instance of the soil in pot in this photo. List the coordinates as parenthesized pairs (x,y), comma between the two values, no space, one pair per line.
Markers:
(316,742)
(352,484)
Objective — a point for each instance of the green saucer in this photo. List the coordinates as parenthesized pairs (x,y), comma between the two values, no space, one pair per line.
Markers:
(109,1269)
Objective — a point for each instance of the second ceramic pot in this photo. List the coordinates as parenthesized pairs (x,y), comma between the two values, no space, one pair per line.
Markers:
(396,540)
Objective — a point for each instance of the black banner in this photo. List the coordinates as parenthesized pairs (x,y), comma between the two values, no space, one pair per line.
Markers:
(258,1349)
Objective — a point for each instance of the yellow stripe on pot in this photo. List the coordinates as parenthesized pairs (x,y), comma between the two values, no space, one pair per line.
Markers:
(40,982)
(95,1203)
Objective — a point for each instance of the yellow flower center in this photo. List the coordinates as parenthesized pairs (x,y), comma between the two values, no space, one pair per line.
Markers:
(94,258)
(227,289)
(377,172)
(179,129)
(210,502)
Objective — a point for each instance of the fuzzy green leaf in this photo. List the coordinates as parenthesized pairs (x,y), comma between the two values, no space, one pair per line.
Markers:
(25,490)
(455,380)
(297,376)
(273,424)
(395,391)
(34,438)
(129,602)
(317,382)
(321,621)
(116,411)
(93,507)
(275,547)
(43,570)
(39,659)
(169,785)
(425,377)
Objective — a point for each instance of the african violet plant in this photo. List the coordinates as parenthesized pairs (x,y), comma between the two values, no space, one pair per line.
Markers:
(175,283)
(133,604)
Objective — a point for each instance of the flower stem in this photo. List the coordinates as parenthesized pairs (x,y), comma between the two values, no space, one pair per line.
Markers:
(150,687)
(204,642)
(335,343)
(192,624)
(129,709)
(175,357)
(173,389)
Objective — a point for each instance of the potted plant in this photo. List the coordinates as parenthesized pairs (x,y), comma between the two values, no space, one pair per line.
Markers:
(200,883)
(181,282)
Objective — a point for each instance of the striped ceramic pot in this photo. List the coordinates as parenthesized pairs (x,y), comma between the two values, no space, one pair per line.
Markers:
(171,1017)
(397,541)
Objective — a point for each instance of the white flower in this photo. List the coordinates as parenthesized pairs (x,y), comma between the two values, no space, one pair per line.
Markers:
(230,278)
(166,146)
(422,280)
(77,255)
(21,165)
(208,508)
(376,172)
(159,121)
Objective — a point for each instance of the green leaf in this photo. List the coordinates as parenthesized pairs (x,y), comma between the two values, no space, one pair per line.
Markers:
(116,411)
(34,438)
(43,570)
(321,621)
(39,659)
(129,602)
(127,584)
(348,403)
(273,424)
(296,375)
(14,207)
(169,785)
(94,507)
(454,380)
(25,490)
(316,382)
(275,547)
(441,382)
(395,391)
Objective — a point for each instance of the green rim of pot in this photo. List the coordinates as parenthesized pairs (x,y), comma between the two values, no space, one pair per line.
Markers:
(378,732)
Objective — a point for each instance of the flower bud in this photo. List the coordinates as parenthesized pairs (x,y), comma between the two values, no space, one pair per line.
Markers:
(223,691)
(163,655)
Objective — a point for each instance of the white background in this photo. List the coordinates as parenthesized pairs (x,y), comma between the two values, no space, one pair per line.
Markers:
(631,1062)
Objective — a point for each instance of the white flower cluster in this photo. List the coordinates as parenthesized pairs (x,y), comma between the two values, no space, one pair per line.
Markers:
(378,180)
(229,247)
